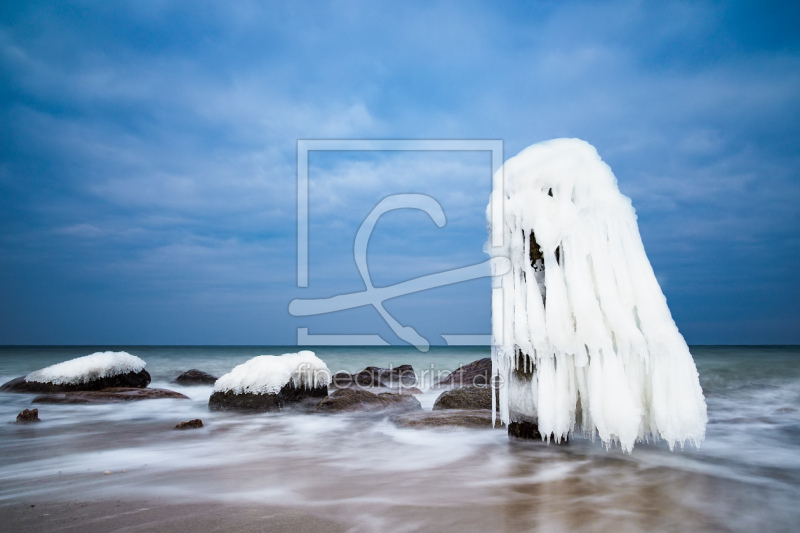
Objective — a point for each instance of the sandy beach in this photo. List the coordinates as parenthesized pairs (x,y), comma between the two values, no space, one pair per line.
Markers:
(95,516)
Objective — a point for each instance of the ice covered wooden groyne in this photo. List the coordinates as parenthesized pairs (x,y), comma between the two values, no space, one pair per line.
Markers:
(583,340)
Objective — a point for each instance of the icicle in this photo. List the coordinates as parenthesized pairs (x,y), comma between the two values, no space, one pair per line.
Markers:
(584,340)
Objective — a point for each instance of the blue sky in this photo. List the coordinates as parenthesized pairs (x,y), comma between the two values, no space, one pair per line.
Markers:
(148,157)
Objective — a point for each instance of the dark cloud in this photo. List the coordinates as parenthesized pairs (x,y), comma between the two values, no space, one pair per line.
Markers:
(148,164)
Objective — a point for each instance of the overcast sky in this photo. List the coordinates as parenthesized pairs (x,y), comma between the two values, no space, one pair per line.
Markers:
(148,158)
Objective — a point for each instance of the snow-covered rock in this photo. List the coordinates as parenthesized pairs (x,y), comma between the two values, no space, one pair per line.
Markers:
(88,373)
(268,382)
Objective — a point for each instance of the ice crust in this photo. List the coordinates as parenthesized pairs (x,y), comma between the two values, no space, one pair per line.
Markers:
(267,374)
(87,368)
(608,359)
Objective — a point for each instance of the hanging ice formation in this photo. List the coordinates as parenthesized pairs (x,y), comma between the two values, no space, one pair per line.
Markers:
(583,340)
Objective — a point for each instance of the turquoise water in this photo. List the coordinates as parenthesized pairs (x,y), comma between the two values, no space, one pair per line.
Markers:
(369,473)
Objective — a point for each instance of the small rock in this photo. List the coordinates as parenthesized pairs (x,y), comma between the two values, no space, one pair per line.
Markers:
(477,373)
(110,395)
(355,399)
(529,431)
(449,418)
(195,377)
(465,398)
(27,416)
(191,424)
(524,430)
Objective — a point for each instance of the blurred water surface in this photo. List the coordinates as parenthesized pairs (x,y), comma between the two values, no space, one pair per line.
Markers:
(370,474)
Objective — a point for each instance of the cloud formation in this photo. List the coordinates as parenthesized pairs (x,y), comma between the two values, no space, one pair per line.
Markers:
(148,157)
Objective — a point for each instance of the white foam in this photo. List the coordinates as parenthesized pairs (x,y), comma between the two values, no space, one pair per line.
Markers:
(268,374)
(609,359)
(87,368)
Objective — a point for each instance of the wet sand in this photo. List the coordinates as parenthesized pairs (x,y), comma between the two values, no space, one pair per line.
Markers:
(95,516)
(572,497)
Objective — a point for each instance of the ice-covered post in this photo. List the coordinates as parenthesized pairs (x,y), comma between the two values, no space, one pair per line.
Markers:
(583,340)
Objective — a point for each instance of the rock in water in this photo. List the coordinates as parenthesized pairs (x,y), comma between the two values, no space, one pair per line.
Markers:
(27,416)
(342,380)
(191,424)
(393,377)
(245,401)
(195,377)
(110,395)
(475,374)
(530,431)
(450,418)
(93,372)
(263,402)
(268,383)
(524,430)
(355,399)
(465,398)
(399,402)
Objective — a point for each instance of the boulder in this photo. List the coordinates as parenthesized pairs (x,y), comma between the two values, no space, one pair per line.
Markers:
(465,398)
(372,376)
(109,395)
(477,373)
(342,380)
(369,377)
(191,424)
(195,377)
(129,380)
(356,399)
(27,416)
(263,402)
(449,418)
(399,402)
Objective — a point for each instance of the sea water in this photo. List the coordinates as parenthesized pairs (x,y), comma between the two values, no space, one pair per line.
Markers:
(369,474)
